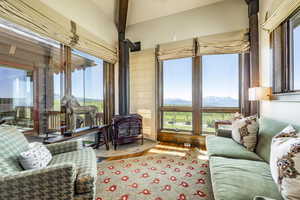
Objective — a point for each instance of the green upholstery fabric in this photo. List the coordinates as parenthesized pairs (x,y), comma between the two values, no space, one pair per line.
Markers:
(84,161)
(64,147)
(223,133)
(12,143)
(70,175)
(227,147)
(241,179)
(267,129)
(54,182)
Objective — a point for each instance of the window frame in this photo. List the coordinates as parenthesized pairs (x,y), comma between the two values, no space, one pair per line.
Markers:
(197,105)
(283,60)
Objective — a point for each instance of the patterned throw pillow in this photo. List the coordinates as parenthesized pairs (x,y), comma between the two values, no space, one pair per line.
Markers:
(38,156)
(285,162)
(244,132)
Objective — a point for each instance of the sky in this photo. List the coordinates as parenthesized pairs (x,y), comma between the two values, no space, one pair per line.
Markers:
(220,77)
(296,58)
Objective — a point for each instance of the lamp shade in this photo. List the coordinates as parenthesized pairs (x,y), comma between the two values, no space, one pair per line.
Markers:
(259,93)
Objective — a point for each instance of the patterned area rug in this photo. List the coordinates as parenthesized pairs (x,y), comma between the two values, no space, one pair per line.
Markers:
(125,149)
(155,177)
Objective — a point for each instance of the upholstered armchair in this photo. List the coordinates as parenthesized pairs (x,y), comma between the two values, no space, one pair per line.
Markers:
(73,109)
(71,174)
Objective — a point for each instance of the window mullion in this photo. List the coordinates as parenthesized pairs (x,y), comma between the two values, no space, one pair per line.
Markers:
(197,94)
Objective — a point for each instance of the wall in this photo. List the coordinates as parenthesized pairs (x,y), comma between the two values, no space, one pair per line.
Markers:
(226,16)
(88,16)
(285,111)
(196,22)
(142,89)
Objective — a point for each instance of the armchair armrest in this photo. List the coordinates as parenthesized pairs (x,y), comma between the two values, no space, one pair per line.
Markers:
(64,147)
(53,182)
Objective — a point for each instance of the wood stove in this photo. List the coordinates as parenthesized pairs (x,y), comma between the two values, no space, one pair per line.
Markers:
(126,129)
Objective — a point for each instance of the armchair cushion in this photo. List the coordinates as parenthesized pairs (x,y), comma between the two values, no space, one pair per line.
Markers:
(64,147)
(85,162)
(53,182)
(227,147)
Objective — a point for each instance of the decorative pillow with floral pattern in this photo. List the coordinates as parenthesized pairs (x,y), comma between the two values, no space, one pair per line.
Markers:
(285,162)
(244,132)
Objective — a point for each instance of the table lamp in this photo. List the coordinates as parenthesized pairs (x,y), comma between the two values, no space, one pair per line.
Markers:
(259,94)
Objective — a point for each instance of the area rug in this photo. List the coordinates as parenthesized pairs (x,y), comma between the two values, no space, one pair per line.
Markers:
(155,177)
(125,149)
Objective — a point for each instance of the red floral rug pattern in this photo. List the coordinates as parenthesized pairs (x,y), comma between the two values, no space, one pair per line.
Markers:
(157,177)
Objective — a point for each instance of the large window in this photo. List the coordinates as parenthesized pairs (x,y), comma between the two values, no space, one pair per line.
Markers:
(220,83)
(87,79)
(195,92)
(16,97)
(286,60)
(177,94)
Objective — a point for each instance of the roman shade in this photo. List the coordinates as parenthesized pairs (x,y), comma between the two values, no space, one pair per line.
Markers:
(278,12)
(230,42)
(39,18)
(178,49)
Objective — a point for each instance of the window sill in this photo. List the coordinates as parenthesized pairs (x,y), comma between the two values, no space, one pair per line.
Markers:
(287,97)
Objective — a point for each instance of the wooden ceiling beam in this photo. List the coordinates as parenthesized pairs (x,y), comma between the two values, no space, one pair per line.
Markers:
(121,12)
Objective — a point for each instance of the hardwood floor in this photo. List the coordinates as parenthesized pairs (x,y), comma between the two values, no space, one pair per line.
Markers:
(160,148)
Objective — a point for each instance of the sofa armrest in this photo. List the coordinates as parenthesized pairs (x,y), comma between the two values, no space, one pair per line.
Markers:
(53,182)
(262,198)
(223,133)
(64,147)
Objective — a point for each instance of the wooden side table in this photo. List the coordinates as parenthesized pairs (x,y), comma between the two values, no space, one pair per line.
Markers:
(99,132)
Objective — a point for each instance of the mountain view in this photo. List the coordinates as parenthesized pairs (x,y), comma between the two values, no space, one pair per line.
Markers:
(210,101)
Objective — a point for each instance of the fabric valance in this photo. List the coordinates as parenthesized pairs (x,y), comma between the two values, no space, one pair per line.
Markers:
(39,18)
(178,49)
(231,42)
(278,12)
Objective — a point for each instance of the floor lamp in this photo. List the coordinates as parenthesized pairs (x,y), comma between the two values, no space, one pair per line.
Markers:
(259,94)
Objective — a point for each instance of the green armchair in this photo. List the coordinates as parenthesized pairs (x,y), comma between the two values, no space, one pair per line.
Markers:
(71,174)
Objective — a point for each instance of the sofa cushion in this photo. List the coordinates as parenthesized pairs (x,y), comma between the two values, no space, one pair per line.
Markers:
(85,161)
(241,179)
(267,129)
(226,147)
(37,156)
(244,132)
(12,143)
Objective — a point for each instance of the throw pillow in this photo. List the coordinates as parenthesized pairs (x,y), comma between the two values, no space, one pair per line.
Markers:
(285,162)
(244,132)
(38,156)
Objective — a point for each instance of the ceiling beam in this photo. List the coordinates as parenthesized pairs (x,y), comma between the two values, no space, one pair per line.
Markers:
(121,12)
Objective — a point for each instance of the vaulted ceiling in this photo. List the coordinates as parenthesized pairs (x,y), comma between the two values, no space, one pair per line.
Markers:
(144,10)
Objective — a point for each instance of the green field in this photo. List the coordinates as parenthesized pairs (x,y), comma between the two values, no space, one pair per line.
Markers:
(182,121)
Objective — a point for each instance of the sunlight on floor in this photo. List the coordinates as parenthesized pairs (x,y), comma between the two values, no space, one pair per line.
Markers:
(174,153)
(171,147)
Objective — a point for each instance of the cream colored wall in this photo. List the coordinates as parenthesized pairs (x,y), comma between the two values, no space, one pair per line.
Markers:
(88,16)
(142,89)
(285,111)
(226,16)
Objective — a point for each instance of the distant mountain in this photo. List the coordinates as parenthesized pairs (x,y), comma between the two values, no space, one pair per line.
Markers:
(210,101)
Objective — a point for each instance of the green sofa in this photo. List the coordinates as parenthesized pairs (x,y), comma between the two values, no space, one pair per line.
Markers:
(71,174)
(238,174)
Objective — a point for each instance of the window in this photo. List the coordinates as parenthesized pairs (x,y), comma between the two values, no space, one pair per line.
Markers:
(216,77)
(286,62)
(220,80)
(16,97)
(177,94)
(220,83)
(87,80)
(177,81)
